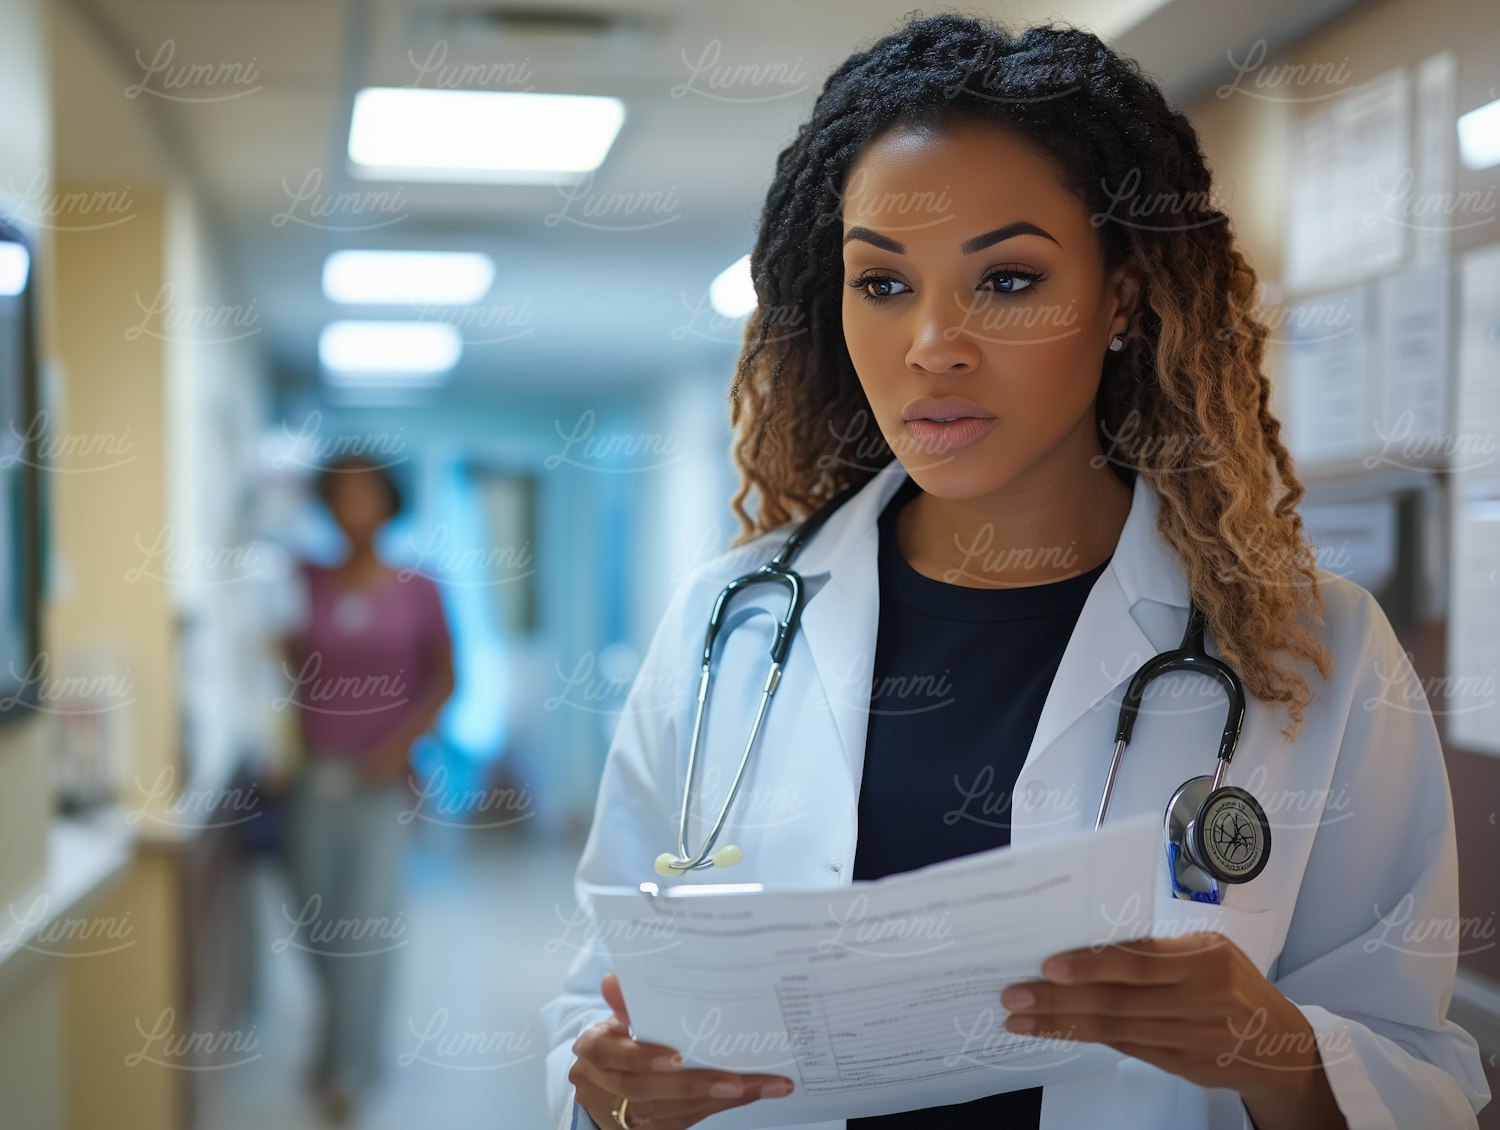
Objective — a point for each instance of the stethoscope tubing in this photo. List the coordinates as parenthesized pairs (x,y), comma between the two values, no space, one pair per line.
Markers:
(1189,656)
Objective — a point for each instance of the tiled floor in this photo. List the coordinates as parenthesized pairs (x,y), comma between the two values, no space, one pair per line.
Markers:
(465,1044)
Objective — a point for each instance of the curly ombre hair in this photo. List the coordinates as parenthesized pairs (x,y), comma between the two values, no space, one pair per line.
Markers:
(1191,368)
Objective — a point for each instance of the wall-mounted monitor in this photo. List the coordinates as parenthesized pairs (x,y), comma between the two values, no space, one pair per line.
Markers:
(20,447)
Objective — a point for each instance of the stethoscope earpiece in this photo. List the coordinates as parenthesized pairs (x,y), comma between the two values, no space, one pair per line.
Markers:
(727,856)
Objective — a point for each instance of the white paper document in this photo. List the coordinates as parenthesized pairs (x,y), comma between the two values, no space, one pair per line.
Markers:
(1348,185)
(879,996)
(1473,682)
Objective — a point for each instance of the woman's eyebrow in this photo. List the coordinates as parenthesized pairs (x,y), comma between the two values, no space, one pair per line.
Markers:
(978,243)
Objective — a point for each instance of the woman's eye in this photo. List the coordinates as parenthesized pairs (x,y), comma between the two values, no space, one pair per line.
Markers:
(882,282)
(877,288)
(1026,279)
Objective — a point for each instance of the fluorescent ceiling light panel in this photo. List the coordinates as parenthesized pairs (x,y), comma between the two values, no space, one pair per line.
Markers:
(482,136)
(388,352)
(1479,136)
(410,277)
(732,293)
(15,265)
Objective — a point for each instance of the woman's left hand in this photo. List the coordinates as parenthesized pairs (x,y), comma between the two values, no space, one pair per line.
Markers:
(385,764)
(1192,1005)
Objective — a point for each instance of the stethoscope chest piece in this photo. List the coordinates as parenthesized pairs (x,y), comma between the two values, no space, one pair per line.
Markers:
(1214,836)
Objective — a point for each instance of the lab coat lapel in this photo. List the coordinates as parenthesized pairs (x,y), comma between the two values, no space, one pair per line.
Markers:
(1105,650)
(841,620)
(1074,739)
(1057,790)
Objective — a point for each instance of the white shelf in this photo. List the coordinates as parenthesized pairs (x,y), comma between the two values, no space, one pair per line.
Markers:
(84,856)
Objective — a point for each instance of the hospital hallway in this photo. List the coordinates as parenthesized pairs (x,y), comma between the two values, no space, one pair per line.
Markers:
(487,946)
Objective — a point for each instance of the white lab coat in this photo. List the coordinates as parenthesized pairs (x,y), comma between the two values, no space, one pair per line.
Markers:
(1359,899)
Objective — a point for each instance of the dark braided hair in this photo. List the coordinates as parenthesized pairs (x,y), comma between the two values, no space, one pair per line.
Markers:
(1191,366)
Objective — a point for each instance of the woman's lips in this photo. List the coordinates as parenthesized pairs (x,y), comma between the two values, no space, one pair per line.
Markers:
(940,438)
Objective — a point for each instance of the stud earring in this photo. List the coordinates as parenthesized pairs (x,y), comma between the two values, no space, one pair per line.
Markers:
(1116,343)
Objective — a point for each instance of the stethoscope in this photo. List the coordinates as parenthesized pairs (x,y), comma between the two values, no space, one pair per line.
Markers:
(1214,833)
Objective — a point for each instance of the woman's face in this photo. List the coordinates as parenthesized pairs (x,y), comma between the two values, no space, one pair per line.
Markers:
(359,505)
(1019,326)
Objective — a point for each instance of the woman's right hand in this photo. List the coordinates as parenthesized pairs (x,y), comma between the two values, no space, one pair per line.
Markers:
(611,1066)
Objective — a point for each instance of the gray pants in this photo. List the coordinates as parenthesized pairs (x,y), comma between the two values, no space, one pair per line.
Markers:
(344,849)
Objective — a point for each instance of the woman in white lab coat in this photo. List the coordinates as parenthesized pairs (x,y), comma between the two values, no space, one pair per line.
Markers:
(1104,342)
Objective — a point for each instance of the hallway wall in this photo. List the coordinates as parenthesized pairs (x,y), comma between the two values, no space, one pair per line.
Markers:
(30,1037)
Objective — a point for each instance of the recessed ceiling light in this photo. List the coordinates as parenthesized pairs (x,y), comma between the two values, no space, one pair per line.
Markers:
(732,293)
(15,265)
(388,352)
(1479,136)
(482,136)
(415,277)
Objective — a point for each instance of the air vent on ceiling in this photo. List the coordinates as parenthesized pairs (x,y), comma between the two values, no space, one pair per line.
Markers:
(538,20)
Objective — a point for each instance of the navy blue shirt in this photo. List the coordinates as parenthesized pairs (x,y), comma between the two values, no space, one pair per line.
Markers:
(960,677)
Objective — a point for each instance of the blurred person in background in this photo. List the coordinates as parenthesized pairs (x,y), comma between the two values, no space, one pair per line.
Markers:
(371,665)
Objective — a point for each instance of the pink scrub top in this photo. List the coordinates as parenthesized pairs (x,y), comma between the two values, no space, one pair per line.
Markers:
(366,657)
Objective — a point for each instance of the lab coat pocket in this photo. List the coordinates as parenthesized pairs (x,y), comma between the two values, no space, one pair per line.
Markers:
(1253,931)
